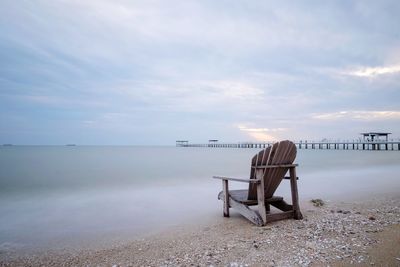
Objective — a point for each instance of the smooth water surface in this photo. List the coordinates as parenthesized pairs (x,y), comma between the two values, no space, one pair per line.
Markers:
(60,196)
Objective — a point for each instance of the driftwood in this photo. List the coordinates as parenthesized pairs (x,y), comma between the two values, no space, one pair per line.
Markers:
(268,169)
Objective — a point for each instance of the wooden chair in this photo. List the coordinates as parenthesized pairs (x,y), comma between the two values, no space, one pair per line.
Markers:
(268,168)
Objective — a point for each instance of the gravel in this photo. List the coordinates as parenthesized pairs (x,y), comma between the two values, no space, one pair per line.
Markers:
(336,231)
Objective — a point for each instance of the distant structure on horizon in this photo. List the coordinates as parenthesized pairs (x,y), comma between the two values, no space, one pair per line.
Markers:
(374,136)
(370,141)
(182,142)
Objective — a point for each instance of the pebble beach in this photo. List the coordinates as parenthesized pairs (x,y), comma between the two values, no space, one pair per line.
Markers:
(362,232)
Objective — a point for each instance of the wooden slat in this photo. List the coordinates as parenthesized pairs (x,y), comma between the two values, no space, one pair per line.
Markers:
(269,173)
(288,178)
(284,156)
(279,216)
(248,213)
(280,155)
(241,196)
(274,166)
(255,181)
(282,205)
(254,162)
(287,156)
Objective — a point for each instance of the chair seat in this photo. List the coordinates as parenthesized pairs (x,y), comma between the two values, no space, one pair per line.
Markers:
(242,197)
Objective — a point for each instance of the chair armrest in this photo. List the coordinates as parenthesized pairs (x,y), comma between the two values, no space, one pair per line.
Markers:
(288,178)
(275,166)
(252,181)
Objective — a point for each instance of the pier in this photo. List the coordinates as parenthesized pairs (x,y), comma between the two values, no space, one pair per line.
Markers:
(330,145)
(370,141)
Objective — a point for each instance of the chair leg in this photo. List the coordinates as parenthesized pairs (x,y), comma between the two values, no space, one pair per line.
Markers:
(262,208)
(226,197)
(295,194)
(267,208)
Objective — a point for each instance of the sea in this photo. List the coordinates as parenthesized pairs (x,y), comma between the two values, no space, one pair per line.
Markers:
(77,196)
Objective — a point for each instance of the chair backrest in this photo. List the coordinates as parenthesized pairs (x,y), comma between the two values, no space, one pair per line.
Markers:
(283,152)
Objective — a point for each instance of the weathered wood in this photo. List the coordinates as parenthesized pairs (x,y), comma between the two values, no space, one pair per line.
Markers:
(282,205)
(255,181)
(288,178)
(268,169)
(259,159)
(274,166)
(295,194)
(285,154)
(267,208)
(269,173)
(248,213)
(260,196)
(226,197)
(241,196)
(279,216)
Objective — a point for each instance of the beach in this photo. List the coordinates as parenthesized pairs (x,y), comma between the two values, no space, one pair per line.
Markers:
(119,119)
(361,232)
(94,206)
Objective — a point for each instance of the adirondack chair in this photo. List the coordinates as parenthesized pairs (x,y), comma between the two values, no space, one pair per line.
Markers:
(268,169)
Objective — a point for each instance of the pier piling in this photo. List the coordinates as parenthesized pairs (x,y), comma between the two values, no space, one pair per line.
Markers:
(327,145)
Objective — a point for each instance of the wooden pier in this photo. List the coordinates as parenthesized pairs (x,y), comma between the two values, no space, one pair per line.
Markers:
(326,145)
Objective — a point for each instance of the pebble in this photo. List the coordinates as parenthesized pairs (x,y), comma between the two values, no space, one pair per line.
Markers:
(320,239)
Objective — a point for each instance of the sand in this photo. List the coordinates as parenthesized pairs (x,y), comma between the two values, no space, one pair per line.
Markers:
(362,232)
(386,251)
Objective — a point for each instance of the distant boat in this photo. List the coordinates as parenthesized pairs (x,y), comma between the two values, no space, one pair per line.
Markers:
(7,144)
(70,144)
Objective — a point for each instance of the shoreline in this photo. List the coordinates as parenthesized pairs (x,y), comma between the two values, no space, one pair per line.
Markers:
(339,233)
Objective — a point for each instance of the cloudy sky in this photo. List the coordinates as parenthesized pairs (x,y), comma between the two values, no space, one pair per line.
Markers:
(152,72)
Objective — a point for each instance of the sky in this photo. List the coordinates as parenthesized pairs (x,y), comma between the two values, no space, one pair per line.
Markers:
(153,72)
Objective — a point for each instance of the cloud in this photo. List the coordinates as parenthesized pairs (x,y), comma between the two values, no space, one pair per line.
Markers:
(261,134)
(193,95)
(186,66)
(374,71)
(246,129)
(359,115)
(58,101)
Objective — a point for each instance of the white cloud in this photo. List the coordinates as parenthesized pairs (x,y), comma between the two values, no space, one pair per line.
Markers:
(374,71)
(359,115)
(247,129)
(235,89)
(261,134)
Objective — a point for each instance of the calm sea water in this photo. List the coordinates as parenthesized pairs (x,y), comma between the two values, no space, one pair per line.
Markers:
(64,196)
